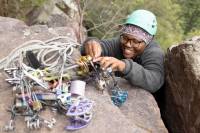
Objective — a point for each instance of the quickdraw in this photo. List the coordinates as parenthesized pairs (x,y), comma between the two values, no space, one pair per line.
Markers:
(52,83)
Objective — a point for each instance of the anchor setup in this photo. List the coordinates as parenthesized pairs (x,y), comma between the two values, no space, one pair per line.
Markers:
(45,74)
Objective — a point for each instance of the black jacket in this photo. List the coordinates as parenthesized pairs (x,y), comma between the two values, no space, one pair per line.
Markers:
(145,71)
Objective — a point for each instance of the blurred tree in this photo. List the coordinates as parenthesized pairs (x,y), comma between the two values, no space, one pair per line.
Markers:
(193,33)
(190,14)
(102,18)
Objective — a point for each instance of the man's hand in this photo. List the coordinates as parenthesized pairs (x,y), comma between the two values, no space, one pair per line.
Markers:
(115,64)
(93,48)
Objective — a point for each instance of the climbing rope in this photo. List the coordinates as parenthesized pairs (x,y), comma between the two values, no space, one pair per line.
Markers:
(50,53)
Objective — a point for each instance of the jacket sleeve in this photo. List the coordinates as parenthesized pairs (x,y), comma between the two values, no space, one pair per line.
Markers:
(150,74)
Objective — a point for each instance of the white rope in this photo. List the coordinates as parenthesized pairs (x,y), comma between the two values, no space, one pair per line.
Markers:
(48,52)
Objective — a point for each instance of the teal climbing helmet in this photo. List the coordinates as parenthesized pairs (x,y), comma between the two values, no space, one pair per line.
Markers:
(143,19)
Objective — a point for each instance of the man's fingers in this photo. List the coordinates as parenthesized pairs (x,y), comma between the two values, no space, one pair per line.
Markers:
(93,48)
(101,60)
(97,51)
(97,59)
(114,67)
(108,62)
(90,50)
(104,60)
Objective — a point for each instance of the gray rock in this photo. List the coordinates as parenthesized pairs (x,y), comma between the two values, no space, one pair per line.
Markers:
(140,113)
(57,13)
(182,112)
(51,11)
(14,33)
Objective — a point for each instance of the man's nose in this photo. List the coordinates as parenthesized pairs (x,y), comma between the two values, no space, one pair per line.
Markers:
(128,44)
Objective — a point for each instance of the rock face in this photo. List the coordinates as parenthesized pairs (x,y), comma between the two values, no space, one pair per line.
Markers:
(57,13)
(66,11)
(140,112)
(182,93)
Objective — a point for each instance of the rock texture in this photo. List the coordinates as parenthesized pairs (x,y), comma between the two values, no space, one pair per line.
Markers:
(58,13)
(140,113)
(182,93)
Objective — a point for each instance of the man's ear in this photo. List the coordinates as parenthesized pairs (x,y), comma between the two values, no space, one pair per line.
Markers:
(142,46)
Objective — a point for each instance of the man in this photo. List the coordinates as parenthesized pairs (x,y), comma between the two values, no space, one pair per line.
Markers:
(134,54)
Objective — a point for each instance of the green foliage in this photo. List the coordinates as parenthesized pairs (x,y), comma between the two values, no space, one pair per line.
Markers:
(193,33)
(103,18)
(190,15)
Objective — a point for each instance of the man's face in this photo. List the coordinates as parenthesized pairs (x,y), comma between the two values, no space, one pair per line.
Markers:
(131,46)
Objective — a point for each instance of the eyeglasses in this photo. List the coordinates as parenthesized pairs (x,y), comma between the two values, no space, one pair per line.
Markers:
(133,42)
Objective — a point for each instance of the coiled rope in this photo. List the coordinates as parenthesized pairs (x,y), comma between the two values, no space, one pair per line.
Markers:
(51,53)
